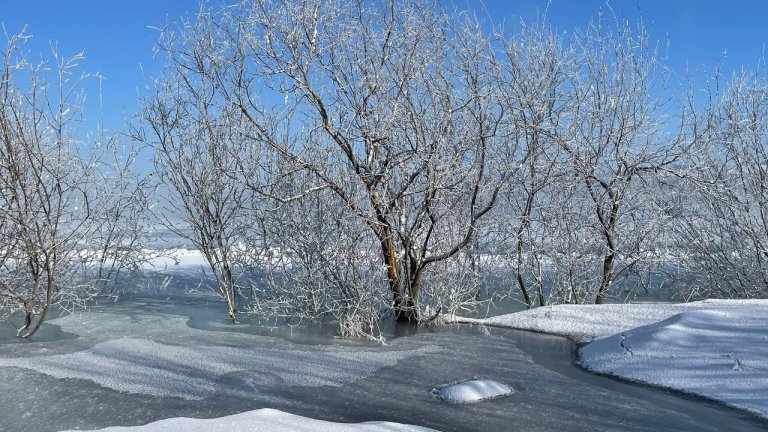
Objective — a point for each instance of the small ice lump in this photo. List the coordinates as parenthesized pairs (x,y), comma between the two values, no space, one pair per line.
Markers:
(472,391)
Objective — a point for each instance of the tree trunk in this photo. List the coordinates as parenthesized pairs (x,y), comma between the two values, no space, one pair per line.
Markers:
(406,311)
(231,309)
(24,332)
(521,284)
(403,305)
(608,233)
(607,277)
(520,280)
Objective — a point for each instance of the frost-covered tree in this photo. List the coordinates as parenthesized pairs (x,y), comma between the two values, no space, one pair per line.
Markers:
(597,131)
(197,136)
(535,69)
(723,207)
(54,195)
(389,106)
(625,131)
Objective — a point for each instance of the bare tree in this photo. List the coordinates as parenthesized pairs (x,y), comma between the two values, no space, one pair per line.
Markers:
(390,106)
(597,130)
(118,241)
(48,182)
(625,130)
(723,210)
(196,134)
(535,92)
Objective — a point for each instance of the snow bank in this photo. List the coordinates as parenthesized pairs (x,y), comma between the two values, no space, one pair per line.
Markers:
(262,420)
(717,353)
(472,391)
(714,348)
(191,372)
(584,323)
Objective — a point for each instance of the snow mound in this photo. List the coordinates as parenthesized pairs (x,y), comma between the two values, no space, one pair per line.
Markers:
(721,353)
(584,323)
(472,391)
(263,420)
(191,372)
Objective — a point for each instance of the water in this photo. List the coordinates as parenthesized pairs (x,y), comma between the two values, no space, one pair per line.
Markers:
(390,383)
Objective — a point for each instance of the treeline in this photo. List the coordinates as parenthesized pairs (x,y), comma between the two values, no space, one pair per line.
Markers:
(357,160)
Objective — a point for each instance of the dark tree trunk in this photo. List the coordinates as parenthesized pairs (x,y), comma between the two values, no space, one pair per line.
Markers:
(406,311)
(607,277)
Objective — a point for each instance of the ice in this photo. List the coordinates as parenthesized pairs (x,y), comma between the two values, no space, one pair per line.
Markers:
(173,355)
(713,348)
(547,397)
(263,420)
(190,372)
(472,391)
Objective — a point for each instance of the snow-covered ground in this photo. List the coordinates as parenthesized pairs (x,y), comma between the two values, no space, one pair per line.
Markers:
(263,420)
(713,348)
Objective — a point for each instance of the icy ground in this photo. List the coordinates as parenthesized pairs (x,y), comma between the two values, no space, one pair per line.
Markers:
(140,361)
(191,372)
(263,420)
(713,348)
(171,357)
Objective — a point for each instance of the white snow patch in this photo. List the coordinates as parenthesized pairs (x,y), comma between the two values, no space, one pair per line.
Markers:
(472,391)
(263,420)
(713,348)
(721,354)
(584,323)
(190,372)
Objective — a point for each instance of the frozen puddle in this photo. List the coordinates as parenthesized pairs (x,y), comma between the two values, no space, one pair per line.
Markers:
(190,372)
(263,420)
(472,391)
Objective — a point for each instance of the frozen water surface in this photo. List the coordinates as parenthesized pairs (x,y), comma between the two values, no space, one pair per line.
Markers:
(145,359)
(190,372)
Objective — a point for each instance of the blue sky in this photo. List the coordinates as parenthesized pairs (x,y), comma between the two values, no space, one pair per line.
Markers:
(114,35)
(118,42)
(699,31)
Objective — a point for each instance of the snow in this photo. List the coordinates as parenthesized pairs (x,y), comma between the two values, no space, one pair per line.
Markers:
(190,372)
(584,323)
(714,348)
(262,420)
(472,391)
(721,354)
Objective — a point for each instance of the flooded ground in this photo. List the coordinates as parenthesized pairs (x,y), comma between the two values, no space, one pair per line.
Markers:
(147,358)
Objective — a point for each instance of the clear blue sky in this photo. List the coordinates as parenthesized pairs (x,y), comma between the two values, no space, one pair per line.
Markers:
(117,40)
